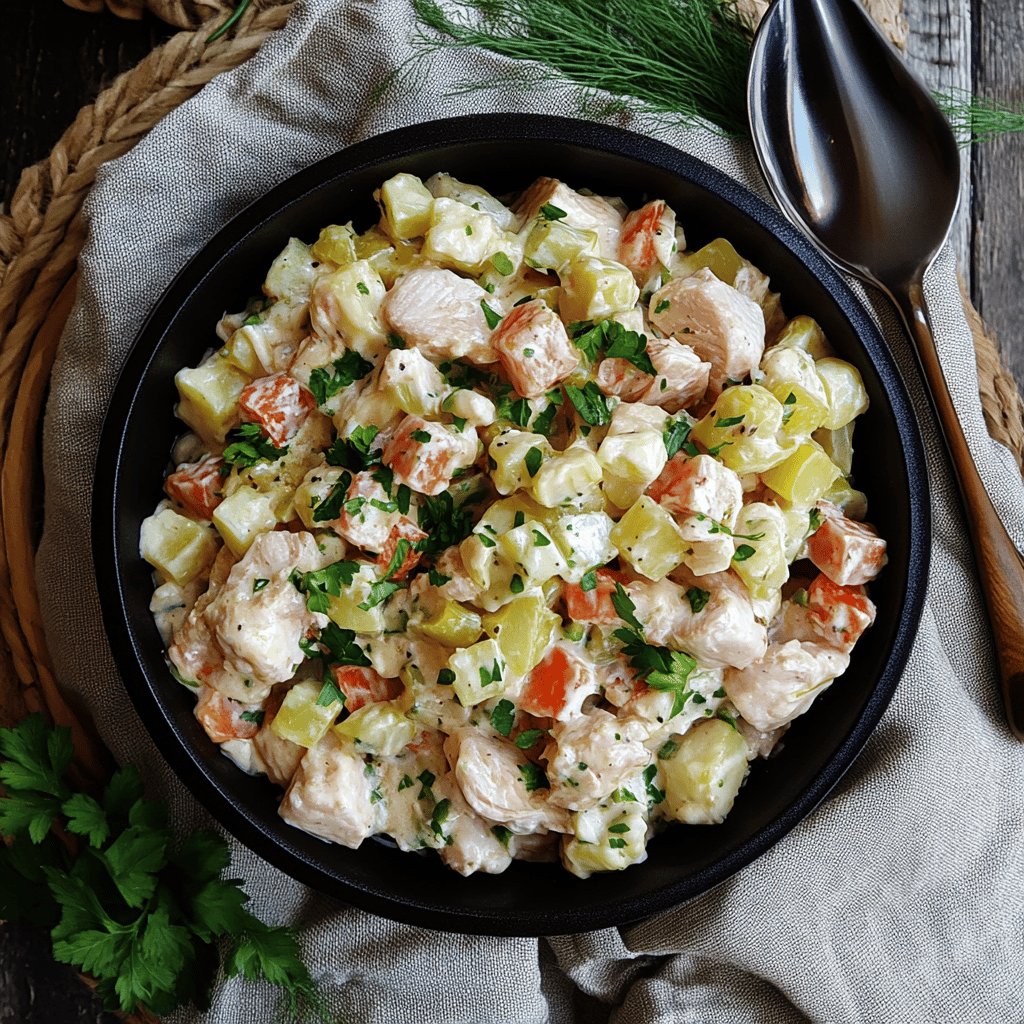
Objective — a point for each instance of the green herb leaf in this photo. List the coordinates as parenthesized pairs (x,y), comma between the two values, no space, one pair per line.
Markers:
(444,522)
(589,581)
(551,212)
(532,460)
(422,436)
(321,584)
(533,777)
(502,716)
(329,507)
(330,694)
(662,306)
(445,677)
(675,435)
(625,608)
(249,446)
(515,584)
(698,598)
(590,403)
(528,737)
(86,818)
(502,834)
(437,579)
(396,340)
(327,381)
(540,540)
(492,317)
(502,264)
(743,552)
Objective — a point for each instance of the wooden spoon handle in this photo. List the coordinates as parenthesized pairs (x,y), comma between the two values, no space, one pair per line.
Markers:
(1000,565)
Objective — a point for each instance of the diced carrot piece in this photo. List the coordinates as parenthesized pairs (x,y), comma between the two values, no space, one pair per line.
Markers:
(640,231)
(405,530)
(846,551)
(279,404)
(364,686)
(548,685)
(426,455)
(221,717)
(197,486)
(593,605)
(840,614)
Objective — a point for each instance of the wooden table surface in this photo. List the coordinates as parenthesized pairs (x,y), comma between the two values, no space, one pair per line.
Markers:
(56,59)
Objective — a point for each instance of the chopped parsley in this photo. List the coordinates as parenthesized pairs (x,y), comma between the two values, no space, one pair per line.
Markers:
(662,306)
(405,783)
(533,777)
(502,834)
(330,694)
(615,341)
(347,369)
(422,436)
(502,264)
(675,435)
(492,317)
(532,461)
(516,584)
(698,598)
(590,403)
(654,795)
(256,717)
(540,540)
(743,552)
(362,289)
(383,588)
(396,340)
(517,412)
(249,445)
(445,677)
(322,584)
(354,452)
(729,421)
(551,212)
(329,507)
(588,581)
(616,843)
(438,818)
(528,737)
(502,717)
(437,579)
(260,584)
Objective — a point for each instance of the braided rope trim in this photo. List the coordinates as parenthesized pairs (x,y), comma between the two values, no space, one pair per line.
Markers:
(180,13)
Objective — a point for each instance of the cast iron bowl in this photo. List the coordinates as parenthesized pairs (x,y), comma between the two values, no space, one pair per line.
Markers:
(504,153)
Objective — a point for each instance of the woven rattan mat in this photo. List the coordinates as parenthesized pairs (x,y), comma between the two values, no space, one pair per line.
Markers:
(40,239)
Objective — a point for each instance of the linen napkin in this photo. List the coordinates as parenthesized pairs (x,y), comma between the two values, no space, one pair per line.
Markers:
(899,899)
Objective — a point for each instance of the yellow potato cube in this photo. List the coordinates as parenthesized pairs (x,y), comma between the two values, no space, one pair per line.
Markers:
(594,289)
(524,630)
(532,550)
(804,476)
(454,625)
(718,256)
(567,477)
(585,541)
(838,446)
(208,397)
(406,204)
(378,728)
(344,610)
(518,456)
(481,672)
(336,244)
(648,538)
(638,456)
(603,842)
(461,238)
(705,773)
(347,302)
(242,516)
(551,244)
(760,554)
(803,332)
(488,569)
(845,393)
(742,429)
(176,546)
(300,719)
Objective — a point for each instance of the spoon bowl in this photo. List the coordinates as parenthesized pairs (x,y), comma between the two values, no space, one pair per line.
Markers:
(859,157)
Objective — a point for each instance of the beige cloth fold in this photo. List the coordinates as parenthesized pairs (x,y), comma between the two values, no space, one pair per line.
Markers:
(899,899)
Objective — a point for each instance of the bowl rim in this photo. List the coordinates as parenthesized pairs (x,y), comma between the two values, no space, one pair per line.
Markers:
(409,141)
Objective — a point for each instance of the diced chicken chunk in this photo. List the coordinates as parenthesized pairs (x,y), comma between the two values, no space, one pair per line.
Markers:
(330,794)
(590,213)
(244,640)
(559,685)
(701,493)
(839,614)
(648,235)
(469,844)
(278,758)
(846,551)
(534,348)
(425,456)
(782,685)
(591,756)
(279,404)
(440,313)
(681,379)
(723,327)
(487,769)
(197,486)
(368,517)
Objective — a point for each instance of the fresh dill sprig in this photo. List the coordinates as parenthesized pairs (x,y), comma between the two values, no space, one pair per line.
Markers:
(684,58)
(978,118)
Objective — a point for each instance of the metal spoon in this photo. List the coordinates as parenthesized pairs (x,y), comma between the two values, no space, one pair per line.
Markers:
(861,159)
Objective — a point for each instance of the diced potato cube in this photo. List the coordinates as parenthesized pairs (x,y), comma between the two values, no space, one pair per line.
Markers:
(621,492)
(300,719)
(838,446)
(844,391)
(291,275)
(209,397)
(314,489)
(178,547)
(639,456)
(599,842)
(345,306)
(567,478)
(804,476)
(763,542)
(551,244)
(790,375)
(444,186)
(803,333)
(242,516)
(585,541)
(647,537)
(336,244)
(531,548)
(704,775)
(389,257)
(454,625)
(378,728)
(406,204)
(412,382)
(460,237)
(505,513)
(718,256)
(511,453)
(594,288)
(344,610)
(742,429)
(488,569)
(524,630)
(854,503)
(481,672)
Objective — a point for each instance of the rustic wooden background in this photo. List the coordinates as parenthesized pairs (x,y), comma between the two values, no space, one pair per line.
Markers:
(55,59)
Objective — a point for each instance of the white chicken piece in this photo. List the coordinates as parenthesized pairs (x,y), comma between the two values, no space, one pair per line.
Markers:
(426,455)
(682,376)
(847,552)
(722,326)
(589,213)
(428,704)
(476,409)
(782,685)
(649,712)
(534,348)
(405,781)
(701,493)
(590,756)
(648,236)
(412,381)
(349,315)
(277,758)
(793,622)
(751,282)
(312,353)
(258,630)
(440,313)
(329,796)
(171,604)
(487,769)
(468,844)
(363,523)
(360,404)
(460,585)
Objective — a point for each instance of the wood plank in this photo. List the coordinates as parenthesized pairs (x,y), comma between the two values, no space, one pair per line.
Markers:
(997,245)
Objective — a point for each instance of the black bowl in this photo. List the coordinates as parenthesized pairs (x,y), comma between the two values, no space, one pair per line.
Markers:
(504,153)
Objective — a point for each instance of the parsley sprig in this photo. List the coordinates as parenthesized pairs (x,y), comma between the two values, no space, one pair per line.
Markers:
(659,667)
(145,916)
(610,337)
(346,370)
(250,445)
(321,585)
